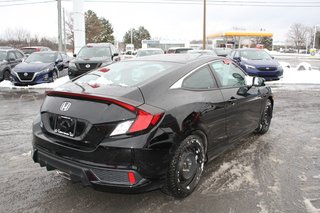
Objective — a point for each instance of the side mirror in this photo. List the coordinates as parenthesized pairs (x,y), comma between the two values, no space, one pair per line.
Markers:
(115,54)
(58,60)
(74,55)
(11,59)
(258,81)
(238,59)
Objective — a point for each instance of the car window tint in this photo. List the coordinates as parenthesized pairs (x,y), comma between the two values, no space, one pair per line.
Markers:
(236,55)
(19,54)
(201,79)
(229,75)
(64,56)
(129,73)
(59,57)
(11,55)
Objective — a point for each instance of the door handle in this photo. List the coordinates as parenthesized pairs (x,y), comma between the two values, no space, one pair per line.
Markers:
(232,100)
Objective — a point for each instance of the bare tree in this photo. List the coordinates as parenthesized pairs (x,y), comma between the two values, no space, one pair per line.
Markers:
(70,31)
(297,35)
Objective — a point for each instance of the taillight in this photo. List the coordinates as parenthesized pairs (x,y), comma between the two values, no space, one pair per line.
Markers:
(37,49)
(143,121)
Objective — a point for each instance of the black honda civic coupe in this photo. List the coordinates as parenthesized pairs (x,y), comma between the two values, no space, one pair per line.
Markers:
(149,123)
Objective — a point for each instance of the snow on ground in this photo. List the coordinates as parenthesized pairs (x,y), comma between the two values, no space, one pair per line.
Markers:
(56,83)
(310,207)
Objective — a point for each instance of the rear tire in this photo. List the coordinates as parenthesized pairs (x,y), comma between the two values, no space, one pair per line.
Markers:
(266,118)
(185,168)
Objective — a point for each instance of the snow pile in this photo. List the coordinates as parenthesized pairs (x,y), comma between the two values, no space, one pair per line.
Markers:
(302,74)
(310,208)
(56,83)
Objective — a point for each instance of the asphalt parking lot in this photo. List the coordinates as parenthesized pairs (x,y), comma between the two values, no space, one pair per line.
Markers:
(276,172)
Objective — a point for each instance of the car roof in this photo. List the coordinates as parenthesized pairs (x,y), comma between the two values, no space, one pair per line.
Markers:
(9,49)
(176,58)
(250,49)
(149,49)
(34,47)
(175,48)
(98,44)
(44,52)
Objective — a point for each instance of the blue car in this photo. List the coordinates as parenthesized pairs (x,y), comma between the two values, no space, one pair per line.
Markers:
(39,67)
(257,62)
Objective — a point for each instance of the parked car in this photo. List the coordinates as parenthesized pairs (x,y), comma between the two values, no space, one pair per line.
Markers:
(206,52)
(223,52)
(149,51)
(39,67)
(9,58)
(173,50)
(257,62)
(150,122)
(28,50)
(92,56)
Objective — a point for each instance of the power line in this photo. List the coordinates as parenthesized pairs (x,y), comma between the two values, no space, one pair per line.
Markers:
(217,3)
(25,3)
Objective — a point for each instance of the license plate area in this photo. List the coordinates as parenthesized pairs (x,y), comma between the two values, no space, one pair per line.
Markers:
(65,126)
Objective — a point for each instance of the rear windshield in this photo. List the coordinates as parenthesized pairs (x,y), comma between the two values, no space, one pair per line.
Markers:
(129,73)
(93,52)
(141,53)
(28,50)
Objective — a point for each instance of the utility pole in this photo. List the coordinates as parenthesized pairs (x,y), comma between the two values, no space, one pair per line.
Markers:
(131,36)
(204,25)
(314,36)
(59,25)
(64,31)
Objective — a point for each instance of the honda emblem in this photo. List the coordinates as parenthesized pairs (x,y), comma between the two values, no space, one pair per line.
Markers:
(65,106)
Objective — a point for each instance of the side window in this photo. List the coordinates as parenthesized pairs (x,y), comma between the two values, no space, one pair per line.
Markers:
(19,54)
(236,55)
(12,56)
(200,79)
(59,57)
(229,75)
(232,54)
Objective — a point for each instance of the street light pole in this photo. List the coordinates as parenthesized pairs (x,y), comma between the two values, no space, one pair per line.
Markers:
(59,25)
(204,25)
(314,36)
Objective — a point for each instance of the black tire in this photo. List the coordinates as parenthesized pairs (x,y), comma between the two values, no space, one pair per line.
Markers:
(266,118)
(6,75)
(185,168)
(54,75)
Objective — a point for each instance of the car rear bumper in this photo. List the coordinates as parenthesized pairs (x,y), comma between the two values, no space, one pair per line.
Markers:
(99,178)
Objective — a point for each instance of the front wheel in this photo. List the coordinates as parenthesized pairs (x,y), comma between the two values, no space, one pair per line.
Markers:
(54,75)
(186,167)
(6,75)
(266,118)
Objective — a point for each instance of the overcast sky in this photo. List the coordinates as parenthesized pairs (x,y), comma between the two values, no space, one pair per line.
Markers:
(168,21)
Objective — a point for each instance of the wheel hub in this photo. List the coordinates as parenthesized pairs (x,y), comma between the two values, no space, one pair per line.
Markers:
(189,165)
